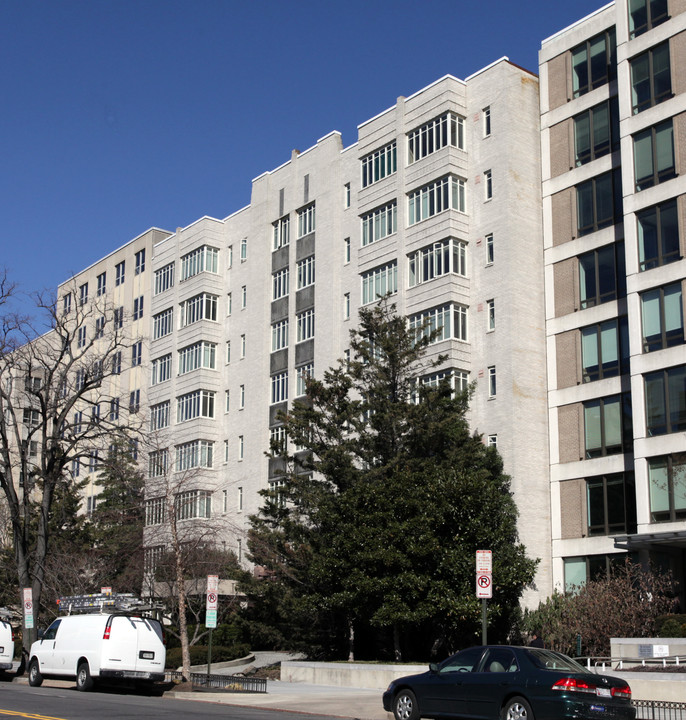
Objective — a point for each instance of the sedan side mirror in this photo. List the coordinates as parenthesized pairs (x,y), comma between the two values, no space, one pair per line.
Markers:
(433,668)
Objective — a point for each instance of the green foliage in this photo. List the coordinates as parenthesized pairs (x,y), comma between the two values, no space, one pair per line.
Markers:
(378,521)
(220,653)
(673,626)
(627,603)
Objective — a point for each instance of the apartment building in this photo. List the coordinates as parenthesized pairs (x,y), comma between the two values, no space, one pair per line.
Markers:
(613,129)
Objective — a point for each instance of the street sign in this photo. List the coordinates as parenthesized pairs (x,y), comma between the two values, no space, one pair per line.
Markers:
(484,579)
(484,561)
(212,601)
(484,585)
(28,608)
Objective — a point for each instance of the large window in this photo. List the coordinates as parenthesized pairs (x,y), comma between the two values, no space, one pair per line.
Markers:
(611,501)
(665,392)
(378,282)
(597,200)
(164,278)
(195,454)
(594,63)
(379,223)
(306,220)
(202,259)
(200,307)
(301,376)
(440,258)
(645,15)
(448,321)
(159,416)
(193,504)
(305,270)
(651,78)
(158,463)
(280,284)
(607,426)
(667,477)
(279,335)
(202,354)
(662,315)
(379,164)
(448,193)
(658,235)
(654,155)
(448,129)
(458,381)
(154,511)
(601,275)
(305,322)
(279,390)
(199,403)
(604,349)
(596,132)
(162,323)
(161,369)
(282,233)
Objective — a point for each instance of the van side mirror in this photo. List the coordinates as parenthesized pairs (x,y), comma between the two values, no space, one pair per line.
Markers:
(40,634)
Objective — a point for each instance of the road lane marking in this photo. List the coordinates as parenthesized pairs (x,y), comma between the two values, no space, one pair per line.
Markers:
(32,716)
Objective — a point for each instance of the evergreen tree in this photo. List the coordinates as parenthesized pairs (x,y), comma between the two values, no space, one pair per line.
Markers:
(386,501)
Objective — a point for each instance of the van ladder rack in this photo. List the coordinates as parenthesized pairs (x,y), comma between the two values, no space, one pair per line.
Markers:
(99,602)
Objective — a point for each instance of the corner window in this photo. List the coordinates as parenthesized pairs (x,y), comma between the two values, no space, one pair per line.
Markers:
(379,223)
(651,78)
(601,275)
(380,281)
(596,132)
(665,392)
(667,478)
(379,164)
(645,15)
(607,426)
(440,132)
(658,235)
(594,63)
(654,155)
(662,317)
(438,259)
(448,193)
(604,349)
(598,200)
(611,502)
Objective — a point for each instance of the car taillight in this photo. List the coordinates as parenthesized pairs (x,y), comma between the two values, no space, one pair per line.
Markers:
(622,692)
(106,634)
(574,685)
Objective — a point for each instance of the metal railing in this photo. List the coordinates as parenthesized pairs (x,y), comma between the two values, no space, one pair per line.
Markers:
(627,663)
(659,710)
(227,683)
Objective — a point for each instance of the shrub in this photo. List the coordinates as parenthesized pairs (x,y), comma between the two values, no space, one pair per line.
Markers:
(220,653)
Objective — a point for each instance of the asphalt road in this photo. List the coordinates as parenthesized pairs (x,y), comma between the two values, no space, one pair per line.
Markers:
(47,703)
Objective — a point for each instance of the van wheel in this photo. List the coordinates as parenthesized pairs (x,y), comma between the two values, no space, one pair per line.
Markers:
(35,678)
(84,681)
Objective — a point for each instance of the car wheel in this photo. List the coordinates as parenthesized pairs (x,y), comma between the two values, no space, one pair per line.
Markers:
(84,681)
(35,678)
(517,708)
(405,706)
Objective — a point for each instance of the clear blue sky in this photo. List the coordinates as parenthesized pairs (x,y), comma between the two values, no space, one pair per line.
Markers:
(120,115)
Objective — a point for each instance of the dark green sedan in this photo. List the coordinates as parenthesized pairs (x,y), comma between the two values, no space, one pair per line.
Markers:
(499,682)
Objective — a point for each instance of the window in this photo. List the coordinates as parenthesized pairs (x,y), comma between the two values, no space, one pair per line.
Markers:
(134,401)
(492,385)
(279,391)
(654,155)
(200,307)
(161,369)
(305,269)
(31,417)
(448,193)
(101,284)
(490,255)
(66,304)
(492,441)
(607,426)
(346,250)
(346,306)
(601,275)
(193,504)
(282,233)
(227,400)
(651,78)
(488,184)
(346,196)
(306,220)
(604,349)
(645,15)
(596,201)
(305,325)
(490,314)
(118,318)
(162,323)
(457,379)
(83,294)
(239,499)
(81,337)
(138,308)
(594,63)
(244,297)
(437,259)
(279,335)
(280,284)
(80,379)
(159,416)
(241,447)
(195,454)
(202,259)
(241,397)
(228,303)
(379,223)
(277,439)
(154,511)
(276,492)
(243,346)
(611,503)
(199,403)
(229,258)
(137,353)
(579,570)
(302,374)
(226,458)
(116,363)
(93,461)
(164,279)
(99,327)
(379,164)
(667,478)
(119,273)
(158,463)
(663,317)
(448,129)
(596,132)
(244,249)
(658,235)
(114,409)
(486,113)
(139,262)
(228,351)
(447,321)
(202,354)
(666,400)
(378,282)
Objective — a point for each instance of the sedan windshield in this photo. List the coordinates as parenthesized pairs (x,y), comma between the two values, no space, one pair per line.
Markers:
(550,660)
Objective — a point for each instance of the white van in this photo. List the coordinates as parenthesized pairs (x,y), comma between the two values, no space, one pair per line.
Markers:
(6,644)
(113,646)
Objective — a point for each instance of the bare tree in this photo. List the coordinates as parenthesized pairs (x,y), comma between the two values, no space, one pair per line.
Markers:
(59,405)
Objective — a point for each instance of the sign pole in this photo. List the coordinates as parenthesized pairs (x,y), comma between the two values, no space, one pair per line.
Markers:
(484,588)
(211,615)
(484,623)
